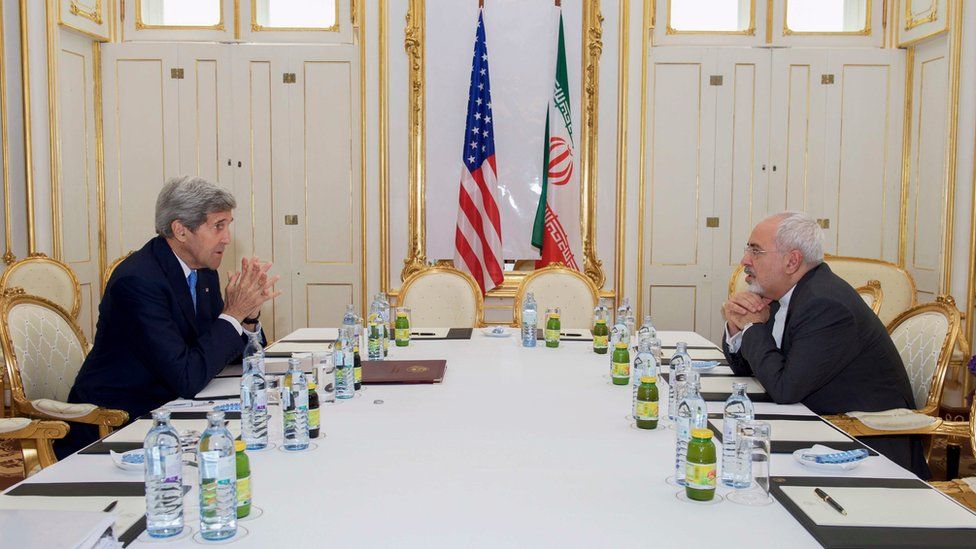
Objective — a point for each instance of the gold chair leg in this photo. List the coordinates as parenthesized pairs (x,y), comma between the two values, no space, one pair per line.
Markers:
(32,456)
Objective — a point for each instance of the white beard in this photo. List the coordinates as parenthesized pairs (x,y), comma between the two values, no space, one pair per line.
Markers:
(755,288)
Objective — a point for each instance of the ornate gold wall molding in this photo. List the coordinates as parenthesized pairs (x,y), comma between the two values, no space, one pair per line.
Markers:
(906,156)
(28,150)
(93,13)
(623,85)
(647,28)
(384,147)
(413,45)
(99,160)
(955,58)
(54,132)
(358,14)
(8,256)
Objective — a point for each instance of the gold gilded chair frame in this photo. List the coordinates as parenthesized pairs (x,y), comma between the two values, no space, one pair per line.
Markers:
(551,268)
(38,257)
(104,418)
(446,269)
(414,44)
(873,289)
(36,440)
(945,305)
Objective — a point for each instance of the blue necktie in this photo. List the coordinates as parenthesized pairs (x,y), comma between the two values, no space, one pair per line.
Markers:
(191,279)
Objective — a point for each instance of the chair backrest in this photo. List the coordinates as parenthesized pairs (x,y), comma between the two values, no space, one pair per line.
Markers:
(43,276)
(924,336)
(898,284)
(442,297)
(872,294)
(559,286)
(42,346)
(111,268)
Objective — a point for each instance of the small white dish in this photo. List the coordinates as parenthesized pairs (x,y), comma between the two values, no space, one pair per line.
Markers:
(703,365)
(133,460)
(497,331)
(821,449)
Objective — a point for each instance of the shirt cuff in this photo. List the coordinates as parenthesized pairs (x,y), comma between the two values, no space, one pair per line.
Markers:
(734,342)
(233,322)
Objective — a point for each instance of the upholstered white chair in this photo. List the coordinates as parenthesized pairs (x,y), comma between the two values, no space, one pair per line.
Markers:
(872,294)
(924,336)
(442,297)
(962,490)
(43,276)
(44,349)
(898,284)
(35,438)
(559,286)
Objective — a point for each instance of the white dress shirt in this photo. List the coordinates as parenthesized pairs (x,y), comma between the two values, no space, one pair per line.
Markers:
(779,324)
(233,321)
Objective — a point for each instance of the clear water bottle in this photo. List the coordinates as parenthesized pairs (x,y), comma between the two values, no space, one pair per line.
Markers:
(692,414)
(344,361)
(164,478)
(530,320)
(737,408)
(254,403)
(218,480)
(623,311)
(349,319)
(678,367)
(294,406)
(385,321)
(253,346)
(644,366)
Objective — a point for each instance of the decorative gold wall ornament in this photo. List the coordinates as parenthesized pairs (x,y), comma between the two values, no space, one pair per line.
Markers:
(28,149)
(915,19)
(92,13)
(932,15)
(99,160)
(955,58)
(359,24)
(8,256)
(384,149)
(906,156)
(54,133)
(413,44)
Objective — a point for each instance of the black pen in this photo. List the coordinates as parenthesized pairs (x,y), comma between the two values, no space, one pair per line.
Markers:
(829,501)
(108,508)
(422,333)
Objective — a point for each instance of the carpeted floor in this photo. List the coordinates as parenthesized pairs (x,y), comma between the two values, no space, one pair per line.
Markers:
(11,464)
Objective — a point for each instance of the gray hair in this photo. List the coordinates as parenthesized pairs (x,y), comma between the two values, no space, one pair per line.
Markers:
(799,231)
(189,199)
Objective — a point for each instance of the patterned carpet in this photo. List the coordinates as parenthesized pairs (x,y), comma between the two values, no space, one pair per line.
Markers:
(11,464)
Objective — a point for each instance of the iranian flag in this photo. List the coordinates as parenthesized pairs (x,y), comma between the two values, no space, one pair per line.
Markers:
(559,202)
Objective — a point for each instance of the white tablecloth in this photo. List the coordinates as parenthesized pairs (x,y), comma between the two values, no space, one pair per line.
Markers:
(516,448)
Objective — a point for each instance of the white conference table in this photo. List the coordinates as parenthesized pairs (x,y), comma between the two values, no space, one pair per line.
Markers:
(516,447)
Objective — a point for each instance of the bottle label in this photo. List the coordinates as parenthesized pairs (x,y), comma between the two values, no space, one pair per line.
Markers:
(261,399)
(402,334)
(683,427)
(244,491)
(620,369)
(646,411)
(313,419)
(600,342)
(214,467)
(358,374)
(552,335)
(700,476)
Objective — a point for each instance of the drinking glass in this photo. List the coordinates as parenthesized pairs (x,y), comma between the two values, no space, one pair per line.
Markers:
(752,449)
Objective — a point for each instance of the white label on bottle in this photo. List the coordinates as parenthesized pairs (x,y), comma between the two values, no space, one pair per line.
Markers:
(261,399)
(173,468)
(212,466)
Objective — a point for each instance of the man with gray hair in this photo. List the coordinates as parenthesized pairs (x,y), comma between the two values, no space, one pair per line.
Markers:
(164,331)
(808,337)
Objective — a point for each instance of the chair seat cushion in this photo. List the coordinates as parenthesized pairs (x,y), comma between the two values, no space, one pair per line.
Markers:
(898,419)
(13,424)
(62,410)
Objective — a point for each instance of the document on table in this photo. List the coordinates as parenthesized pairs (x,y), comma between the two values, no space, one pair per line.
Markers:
(221,387)
(798,431)
(313,334)
(723,384)
(669,339)
(881,507)
(138,429)
(299,347)
(429,333)
(126,513)
(272,365)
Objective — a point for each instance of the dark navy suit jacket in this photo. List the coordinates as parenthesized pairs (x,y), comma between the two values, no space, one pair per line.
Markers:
(150,345)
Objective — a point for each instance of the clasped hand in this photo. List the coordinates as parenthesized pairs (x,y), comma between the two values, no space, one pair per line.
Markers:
(743,308)
(248,289)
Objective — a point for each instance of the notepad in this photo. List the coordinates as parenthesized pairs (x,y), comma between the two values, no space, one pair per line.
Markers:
(723,384)
(798,431)
(221,387)
(137,430)
(129,509)
(669,339)
(882,507)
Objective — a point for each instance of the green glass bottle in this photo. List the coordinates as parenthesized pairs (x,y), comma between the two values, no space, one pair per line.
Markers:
(600,336)
(552,330)
(243,480)
(620,364)
(402,329)
(645,407)
(700,466)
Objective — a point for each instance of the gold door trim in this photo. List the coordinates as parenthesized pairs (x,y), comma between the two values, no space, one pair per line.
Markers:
(384,149)
(28,149)
(413,44)
(623,70)
(930,18)
(99,160)
(88,33)
(927,16)
(955,59)
(54,131)
(906,156)
(647,28)
(8,256)
(750,31)
(93,14)
(358,14)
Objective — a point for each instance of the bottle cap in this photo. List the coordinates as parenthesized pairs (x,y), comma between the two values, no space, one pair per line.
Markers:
(601,321)
(239,446)
(648,379)
(311,385)
(554,315)
(620,345)
(401,313)
(701,433)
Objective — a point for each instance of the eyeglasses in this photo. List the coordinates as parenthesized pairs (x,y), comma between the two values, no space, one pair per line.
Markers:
(756,251)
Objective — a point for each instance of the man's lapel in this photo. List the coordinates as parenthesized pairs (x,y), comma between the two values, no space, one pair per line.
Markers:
(174,275)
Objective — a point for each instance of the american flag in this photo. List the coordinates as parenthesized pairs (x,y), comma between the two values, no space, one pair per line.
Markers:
(478,236)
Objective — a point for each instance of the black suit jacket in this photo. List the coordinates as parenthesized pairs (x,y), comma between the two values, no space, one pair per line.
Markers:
(150,346)
(836,355)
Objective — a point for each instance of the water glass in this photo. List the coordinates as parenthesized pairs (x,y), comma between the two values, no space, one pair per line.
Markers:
(752,452)
(324,374)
